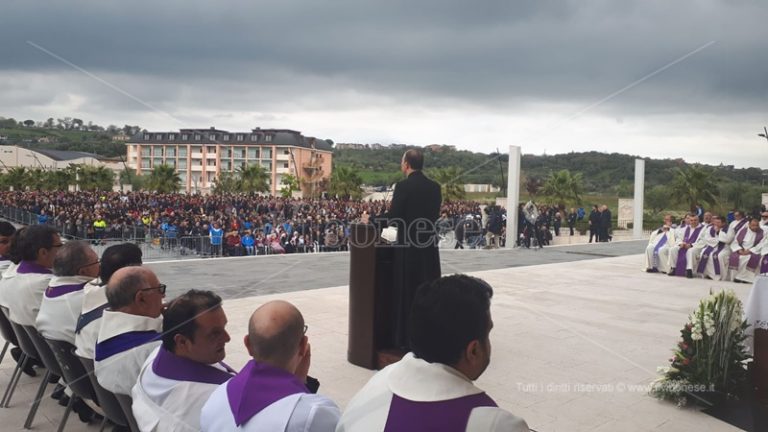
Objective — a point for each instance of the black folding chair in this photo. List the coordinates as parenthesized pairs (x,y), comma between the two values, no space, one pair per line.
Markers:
(10,338)
(46,356)
(107,400)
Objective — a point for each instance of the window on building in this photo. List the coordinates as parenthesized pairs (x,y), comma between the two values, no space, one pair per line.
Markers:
(212,137)
(240,137)
(226,165)
(286,152)
(157,162)
(226,137)
(197,162)
(285,165)
(159,137)
(185,137)
(211,162)
(182,164)
(268,138)
(159,151)
(170,152)
(226,152)
(197,137)
(266,153)
(183,178)
(146,137)
(182,152)
(253,153)
(145,163)
(171,162)
(267,166)
(171,137)
(254,137)
(146,151)
(197,149)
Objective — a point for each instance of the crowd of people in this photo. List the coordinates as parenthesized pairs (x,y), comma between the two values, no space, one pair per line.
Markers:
(163,361)
(227,224)
(539,224)
(733,247)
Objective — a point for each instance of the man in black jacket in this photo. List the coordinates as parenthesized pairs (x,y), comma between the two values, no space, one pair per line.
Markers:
(414,210)
(605,224)
(594,224)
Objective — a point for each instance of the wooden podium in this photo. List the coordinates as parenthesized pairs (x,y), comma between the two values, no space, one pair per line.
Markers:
(370,299)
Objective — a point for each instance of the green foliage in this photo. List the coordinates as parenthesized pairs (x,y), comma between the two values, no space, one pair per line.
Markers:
(562,187)
(252,178)
(695,185)
(94,177)
(345,183)
(451,185)
(64,134)
(163,179)
(658,198)
(290,185)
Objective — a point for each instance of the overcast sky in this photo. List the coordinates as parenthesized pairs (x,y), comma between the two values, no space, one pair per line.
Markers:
(655,78)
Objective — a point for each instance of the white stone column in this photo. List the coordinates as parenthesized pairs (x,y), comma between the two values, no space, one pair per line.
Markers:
(513,194)
(637,227)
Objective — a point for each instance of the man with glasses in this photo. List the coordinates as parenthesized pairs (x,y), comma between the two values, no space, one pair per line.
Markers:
(270,393)
(94,302)
(130,327)
(180,375)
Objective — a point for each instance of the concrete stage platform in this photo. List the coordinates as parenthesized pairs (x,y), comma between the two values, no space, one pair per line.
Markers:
(575,345)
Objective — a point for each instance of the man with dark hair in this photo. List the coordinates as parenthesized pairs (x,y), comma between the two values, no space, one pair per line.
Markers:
(94,302)
(6,233)
(269,393)
(179,376)
(414,210)
(431,387)
(130,327)
(36,246)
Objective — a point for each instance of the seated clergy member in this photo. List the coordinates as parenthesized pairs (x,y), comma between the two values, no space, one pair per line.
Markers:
(180,375)
(682,256)
(713,263)
(6,233)
(75,265)
(130,327)
(269,393)
(94,301)
(36,246)
(739,221)
(744,262)
(657,251)
(431,388)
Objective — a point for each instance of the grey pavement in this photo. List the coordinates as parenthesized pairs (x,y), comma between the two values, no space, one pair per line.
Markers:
(273,274)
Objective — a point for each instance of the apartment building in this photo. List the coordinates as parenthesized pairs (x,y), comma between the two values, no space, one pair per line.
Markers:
(201,155)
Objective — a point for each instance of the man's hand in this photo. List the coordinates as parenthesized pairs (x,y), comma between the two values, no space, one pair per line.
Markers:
(743,252)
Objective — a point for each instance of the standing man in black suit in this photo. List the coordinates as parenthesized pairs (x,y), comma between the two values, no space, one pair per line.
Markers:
(605,224)
(414,210)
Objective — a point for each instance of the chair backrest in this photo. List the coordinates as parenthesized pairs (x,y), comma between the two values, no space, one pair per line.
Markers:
(5,328)
(72,370)
(127,403)
(46,355)
(107,400)
(25,343)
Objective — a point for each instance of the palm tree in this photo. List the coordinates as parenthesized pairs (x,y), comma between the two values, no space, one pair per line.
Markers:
(164,179)
(58,179)
(532,185)
(16,178)
(450,186)
(252,178)
(226,183)
(562,186)
(695,185)
(345,183)
(95,177)
(291,184)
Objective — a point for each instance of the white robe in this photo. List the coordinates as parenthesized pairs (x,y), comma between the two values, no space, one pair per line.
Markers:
(663,259)
(691,253)
(58,315)
(722,257)
(732,231)
(119,372)
(23,292)
(743,273)
(94,297)
(416,380)
(162,404)
(301,412)
(8,273)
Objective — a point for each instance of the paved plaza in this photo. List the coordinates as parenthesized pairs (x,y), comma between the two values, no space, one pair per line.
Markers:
(579,331)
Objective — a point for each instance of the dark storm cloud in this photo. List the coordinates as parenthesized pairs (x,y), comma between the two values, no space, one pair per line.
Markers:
(257,54)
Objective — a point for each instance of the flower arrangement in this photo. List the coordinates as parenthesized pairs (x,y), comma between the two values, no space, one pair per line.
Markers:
(710,357)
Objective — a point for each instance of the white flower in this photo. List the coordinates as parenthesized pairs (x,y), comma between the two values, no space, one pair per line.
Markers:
(696,336)
(710,331)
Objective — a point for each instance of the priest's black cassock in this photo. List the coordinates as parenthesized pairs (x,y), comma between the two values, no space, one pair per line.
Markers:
(416,259)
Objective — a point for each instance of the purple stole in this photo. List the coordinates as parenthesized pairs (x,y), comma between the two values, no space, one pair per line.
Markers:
(739,225)
(60,290)
(764,265)
(26,267)
(754,259)
(690,238)
(450,415)
(708,252)
(124,342)
(258,386)
(658,247)
(169,365)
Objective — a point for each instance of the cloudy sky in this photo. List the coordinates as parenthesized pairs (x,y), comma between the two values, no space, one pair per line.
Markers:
(655,78)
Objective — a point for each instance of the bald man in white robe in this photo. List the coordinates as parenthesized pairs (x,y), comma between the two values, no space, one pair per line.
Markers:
(713,260)
(657,251)
(744,261)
